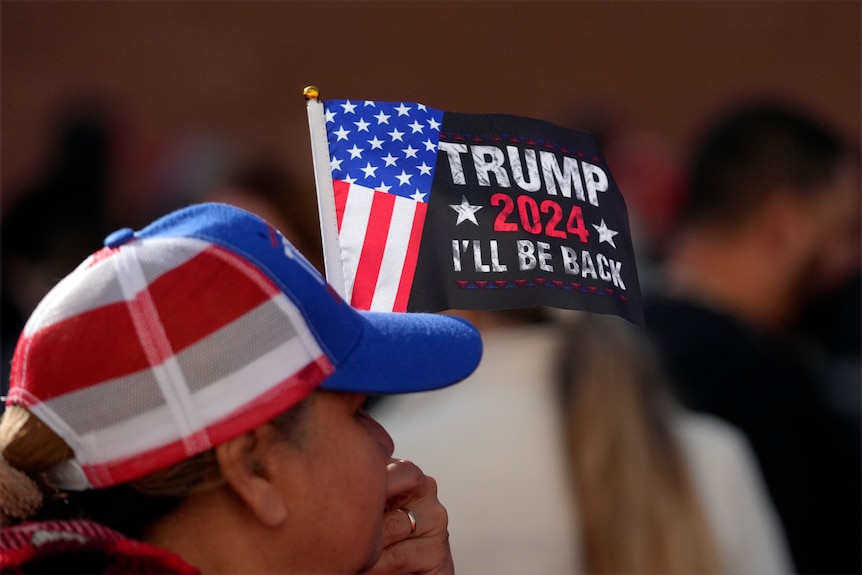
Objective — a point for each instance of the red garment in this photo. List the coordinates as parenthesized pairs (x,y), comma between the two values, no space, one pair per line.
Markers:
(52,547)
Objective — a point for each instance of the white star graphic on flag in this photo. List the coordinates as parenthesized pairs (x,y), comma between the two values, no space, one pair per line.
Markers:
(341,133)
(382,118)
(433,124)
(370,103)
(402,110)
(376,143)
(466,211)
(369,170)
(355,152)
(416,126)
(418,196)
(335,164)
(390,159)
(424,169)
(396,135)
(429,145)
(330,116)
(404,178)
(605,233)
(362,125)
(383,187)
(410,151)
(348,107)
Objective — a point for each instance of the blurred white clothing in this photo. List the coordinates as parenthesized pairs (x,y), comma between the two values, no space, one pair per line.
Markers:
(494,443)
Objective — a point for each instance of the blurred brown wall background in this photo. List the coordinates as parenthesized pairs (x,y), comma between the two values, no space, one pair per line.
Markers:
(235,70)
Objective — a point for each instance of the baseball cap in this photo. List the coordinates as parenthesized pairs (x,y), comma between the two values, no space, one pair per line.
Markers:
(200,327)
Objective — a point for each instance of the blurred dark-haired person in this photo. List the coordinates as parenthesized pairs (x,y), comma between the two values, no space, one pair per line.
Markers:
(770,227)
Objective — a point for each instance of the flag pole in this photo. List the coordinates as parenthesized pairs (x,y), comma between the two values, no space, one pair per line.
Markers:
(325,193)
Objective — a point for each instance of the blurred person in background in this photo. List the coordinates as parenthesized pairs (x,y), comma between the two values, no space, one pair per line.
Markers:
(53,223)
(659,489)
(572,425)
(770,227)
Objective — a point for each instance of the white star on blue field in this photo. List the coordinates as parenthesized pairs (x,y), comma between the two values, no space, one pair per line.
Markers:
(386,146)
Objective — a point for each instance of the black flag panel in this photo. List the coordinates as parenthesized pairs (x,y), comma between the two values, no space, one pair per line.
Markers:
(523,213)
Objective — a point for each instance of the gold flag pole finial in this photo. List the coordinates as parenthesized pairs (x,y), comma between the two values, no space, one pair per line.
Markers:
(311,93)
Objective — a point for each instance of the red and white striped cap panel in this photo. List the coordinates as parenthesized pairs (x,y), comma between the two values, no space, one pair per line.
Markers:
(263,348)
(88,306)
(187,350)
(100,283)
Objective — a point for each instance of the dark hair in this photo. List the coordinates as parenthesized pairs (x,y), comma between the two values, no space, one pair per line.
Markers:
(753,150)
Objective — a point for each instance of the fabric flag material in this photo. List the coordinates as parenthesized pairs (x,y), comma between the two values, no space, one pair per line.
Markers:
(443,210)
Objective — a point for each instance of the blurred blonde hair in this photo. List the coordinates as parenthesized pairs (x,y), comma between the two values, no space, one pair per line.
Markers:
(638,509)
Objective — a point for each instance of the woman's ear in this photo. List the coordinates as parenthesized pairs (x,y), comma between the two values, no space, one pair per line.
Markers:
(243,465)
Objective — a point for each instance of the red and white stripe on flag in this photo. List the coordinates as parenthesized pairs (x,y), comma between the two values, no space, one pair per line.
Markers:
(378,263)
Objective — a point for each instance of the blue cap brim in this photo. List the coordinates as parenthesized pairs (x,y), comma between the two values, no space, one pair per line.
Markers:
(407,352)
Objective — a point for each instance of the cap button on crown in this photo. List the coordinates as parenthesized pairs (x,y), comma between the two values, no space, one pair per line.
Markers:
(119,238)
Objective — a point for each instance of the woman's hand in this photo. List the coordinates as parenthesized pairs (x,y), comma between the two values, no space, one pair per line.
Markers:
(418,541)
